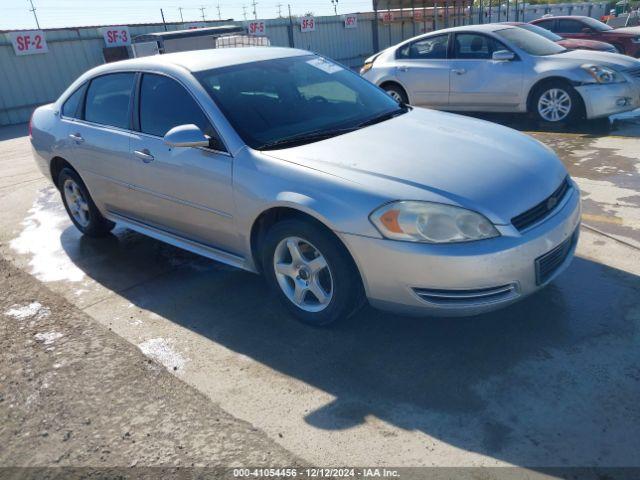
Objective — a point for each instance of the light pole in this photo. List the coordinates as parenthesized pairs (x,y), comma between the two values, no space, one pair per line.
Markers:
(335,6)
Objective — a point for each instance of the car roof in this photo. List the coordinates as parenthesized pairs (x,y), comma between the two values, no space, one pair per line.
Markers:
(575,17)
(487,27)
(198,60)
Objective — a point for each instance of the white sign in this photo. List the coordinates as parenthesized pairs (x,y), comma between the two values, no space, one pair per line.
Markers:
(28,43)
(324,65)
(257,28)
(351,21)
(307,24)
(116,36)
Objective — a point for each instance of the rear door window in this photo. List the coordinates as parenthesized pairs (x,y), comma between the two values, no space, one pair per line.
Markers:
(108,100)
(473,46)
(72,108)
(427,48)
(165,104)
(569,26)
(548,24)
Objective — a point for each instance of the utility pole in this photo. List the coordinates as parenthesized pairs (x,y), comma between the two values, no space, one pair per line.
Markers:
(181,17)
(279,6)
(163,22)
(202,9)
(244,11)
(218,8)
(335,6)
(255,14)
(33,10)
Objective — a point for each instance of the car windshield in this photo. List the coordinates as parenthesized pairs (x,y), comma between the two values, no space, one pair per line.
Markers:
(541,31)
(597,25)
(530,42)
(295,100)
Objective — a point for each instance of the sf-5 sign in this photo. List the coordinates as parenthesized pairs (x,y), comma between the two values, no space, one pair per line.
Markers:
(28,43)
(116,36)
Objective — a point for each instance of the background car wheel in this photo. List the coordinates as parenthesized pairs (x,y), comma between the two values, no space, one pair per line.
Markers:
(556,102)
(396,92)
(311,272)
(80,207)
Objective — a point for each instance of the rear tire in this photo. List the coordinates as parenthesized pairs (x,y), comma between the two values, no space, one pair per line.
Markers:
(556,102)
(79,205)
(311,272)
(396,92)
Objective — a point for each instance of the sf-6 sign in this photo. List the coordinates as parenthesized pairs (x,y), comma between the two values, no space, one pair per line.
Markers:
(28,43)
(116,36)
(307,24)
(350,21)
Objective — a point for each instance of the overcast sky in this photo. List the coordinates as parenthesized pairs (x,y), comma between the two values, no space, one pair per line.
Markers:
(15,14)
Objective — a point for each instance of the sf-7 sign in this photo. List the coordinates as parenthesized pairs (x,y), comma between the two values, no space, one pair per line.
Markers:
(28,43)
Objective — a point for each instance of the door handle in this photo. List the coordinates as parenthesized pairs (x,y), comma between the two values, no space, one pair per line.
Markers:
(76,137)
(459,71)
(144,155)
(403,69)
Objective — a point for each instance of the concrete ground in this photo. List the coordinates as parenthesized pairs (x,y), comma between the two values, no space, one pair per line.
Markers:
(551,381)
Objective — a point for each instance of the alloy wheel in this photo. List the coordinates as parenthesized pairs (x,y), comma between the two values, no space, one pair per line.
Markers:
(76,202)
(554,105)
(395,95)
(303,274)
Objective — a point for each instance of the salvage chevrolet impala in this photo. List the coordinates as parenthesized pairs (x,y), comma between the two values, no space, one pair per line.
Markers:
(282,162)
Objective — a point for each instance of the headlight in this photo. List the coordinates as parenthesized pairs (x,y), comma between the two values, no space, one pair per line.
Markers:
(603,74)
(428,222)
(366,67)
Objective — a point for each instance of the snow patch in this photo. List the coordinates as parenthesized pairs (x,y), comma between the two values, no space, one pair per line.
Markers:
(34,309)
(41,238)
(160,350)
(48,337)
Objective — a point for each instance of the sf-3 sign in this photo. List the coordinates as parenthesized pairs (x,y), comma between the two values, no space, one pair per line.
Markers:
(29,42)
(116,36)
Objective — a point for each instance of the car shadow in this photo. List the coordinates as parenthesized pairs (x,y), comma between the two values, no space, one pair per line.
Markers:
(13,131)
(548,381)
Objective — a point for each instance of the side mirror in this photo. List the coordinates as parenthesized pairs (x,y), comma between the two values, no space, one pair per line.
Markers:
(503,56)
(186,136)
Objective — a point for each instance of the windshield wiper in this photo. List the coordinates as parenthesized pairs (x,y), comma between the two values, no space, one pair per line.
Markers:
(384,116)
(306,138)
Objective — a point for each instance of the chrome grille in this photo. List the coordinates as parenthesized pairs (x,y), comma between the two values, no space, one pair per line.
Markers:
(541,210)
(548,264)
(470,297)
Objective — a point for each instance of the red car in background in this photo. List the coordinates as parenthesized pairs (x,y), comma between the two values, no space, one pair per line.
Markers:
(568,43)
(626,40)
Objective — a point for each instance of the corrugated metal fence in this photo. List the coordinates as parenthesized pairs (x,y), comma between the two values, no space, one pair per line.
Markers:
(32,80)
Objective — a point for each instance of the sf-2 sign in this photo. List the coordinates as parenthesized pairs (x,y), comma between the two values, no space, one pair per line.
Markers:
(307,24)
(116,36)
(28,43)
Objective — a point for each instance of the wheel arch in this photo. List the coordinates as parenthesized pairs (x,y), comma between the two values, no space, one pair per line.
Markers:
(277,213)
(395,82)
(56,165)
(550,79)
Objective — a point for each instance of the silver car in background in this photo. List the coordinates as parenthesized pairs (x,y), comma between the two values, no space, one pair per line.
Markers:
(282,162)
(501,68)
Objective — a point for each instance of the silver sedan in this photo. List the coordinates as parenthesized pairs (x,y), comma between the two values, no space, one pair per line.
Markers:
(501,68)
(282,162)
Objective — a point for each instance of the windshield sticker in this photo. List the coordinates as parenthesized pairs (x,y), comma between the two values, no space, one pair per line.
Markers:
(324,65)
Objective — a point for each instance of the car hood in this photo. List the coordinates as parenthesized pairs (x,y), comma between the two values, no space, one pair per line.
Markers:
(583,43)
(440,157)
(614,60)
(626,30)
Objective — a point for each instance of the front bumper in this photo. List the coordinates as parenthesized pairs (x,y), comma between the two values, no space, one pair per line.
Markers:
(604,100)
(465,278)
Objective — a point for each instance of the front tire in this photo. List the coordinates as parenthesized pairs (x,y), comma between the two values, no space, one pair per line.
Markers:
(311,272)
(79,205)
(556,102)
(397,93)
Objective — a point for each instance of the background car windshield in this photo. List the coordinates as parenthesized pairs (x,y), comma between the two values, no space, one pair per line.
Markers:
(541,31)
(530,42)
(597,25)
(278,99)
